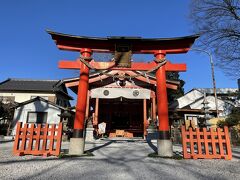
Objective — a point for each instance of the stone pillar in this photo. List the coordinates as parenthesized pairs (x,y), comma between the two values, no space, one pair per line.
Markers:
(77,143)
(164,141)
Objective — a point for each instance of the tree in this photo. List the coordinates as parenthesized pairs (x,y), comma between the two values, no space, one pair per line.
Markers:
(232,120)
(6,114)
(174,94)
(218,22)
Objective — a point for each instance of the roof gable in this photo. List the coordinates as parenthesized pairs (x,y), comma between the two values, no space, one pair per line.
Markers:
(189,98)
(38,98)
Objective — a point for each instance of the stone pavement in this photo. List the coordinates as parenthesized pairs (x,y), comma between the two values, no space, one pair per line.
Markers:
(115,159)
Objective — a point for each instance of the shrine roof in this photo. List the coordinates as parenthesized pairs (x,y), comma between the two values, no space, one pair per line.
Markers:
(138,44)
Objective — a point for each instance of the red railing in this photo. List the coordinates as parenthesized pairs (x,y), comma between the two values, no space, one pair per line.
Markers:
(38,139)
(206,144)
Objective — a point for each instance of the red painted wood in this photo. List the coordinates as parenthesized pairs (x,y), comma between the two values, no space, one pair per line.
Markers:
(212,134)
(44,139)
(140,66)
(82,92)
(199,145)
(215,137)
(59,140)
(30,139)
(191,133)
(23,137)
(184,143)
(228,144)
(154,108)
(87,105)
(51,137)
(17,139)
(162,102)
(144,117)
(96,111)
(29,147)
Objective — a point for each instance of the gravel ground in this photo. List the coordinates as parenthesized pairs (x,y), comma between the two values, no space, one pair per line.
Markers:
(115,159)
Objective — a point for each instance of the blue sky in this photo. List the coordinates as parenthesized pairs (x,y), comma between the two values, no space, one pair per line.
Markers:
(27,51)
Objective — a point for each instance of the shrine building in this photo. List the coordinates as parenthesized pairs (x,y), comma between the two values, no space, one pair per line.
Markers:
(121,92)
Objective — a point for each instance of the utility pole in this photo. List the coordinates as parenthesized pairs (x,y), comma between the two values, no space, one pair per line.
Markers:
(213,76)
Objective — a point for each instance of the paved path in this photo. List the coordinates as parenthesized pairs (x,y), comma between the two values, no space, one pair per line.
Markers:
(118,159)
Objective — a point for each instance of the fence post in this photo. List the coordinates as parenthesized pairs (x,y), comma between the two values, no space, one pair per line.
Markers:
(199,144)
(191,142)
(30,140)
(23,139)
(228,144)
(184,142)
(220,142)
(45,134)
(17,139)
(212,134)
(38,138)
(59,139)
(206,142)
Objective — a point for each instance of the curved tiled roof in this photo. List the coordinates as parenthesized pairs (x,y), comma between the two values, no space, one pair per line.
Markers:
(28,85)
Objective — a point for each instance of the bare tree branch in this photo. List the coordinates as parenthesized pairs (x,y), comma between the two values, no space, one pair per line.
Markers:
(218,21)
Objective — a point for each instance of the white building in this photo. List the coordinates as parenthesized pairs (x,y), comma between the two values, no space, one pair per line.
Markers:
(20,90)
(38,111)
(190,106)
(38,101)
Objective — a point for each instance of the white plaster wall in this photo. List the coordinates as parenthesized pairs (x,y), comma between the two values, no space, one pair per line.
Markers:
(211,101)
(20,114)
(189,98)
(21,97)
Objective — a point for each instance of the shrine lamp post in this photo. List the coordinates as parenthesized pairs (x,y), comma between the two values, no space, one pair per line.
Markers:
(213,75)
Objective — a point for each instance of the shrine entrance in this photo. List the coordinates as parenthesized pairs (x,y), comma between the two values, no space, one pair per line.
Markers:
(122,114)
(123,70)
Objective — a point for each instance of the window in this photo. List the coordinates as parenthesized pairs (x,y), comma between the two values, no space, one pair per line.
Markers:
(37,117)
(191,121)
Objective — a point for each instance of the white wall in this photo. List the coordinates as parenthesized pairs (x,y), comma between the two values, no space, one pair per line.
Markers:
(20,114)
(189,98)
(21,97)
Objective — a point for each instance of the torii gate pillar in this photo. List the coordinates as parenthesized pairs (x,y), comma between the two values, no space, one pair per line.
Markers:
(164,142)
(77,143)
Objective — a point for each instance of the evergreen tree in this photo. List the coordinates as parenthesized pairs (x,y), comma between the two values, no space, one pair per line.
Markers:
(174,94)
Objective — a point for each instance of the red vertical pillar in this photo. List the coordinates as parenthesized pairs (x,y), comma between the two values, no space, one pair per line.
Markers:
(164,142)
(87,106)
(144,118)
(82,96)
(154,118)
(96,111)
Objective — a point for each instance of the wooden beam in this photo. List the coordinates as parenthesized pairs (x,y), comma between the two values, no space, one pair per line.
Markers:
(69,65)
(140,66)
(75,83)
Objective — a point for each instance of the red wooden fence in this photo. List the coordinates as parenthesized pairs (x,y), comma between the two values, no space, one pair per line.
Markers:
(206,144)
(38,139)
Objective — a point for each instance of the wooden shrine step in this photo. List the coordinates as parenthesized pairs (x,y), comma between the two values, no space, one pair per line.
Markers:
(121,133)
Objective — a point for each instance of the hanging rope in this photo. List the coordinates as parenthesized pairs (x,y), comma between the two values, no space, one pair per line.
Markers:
(161,63)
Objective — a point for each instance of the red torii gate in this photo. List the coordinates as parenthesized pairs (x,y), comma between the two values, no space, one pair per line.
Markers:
(87,45)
